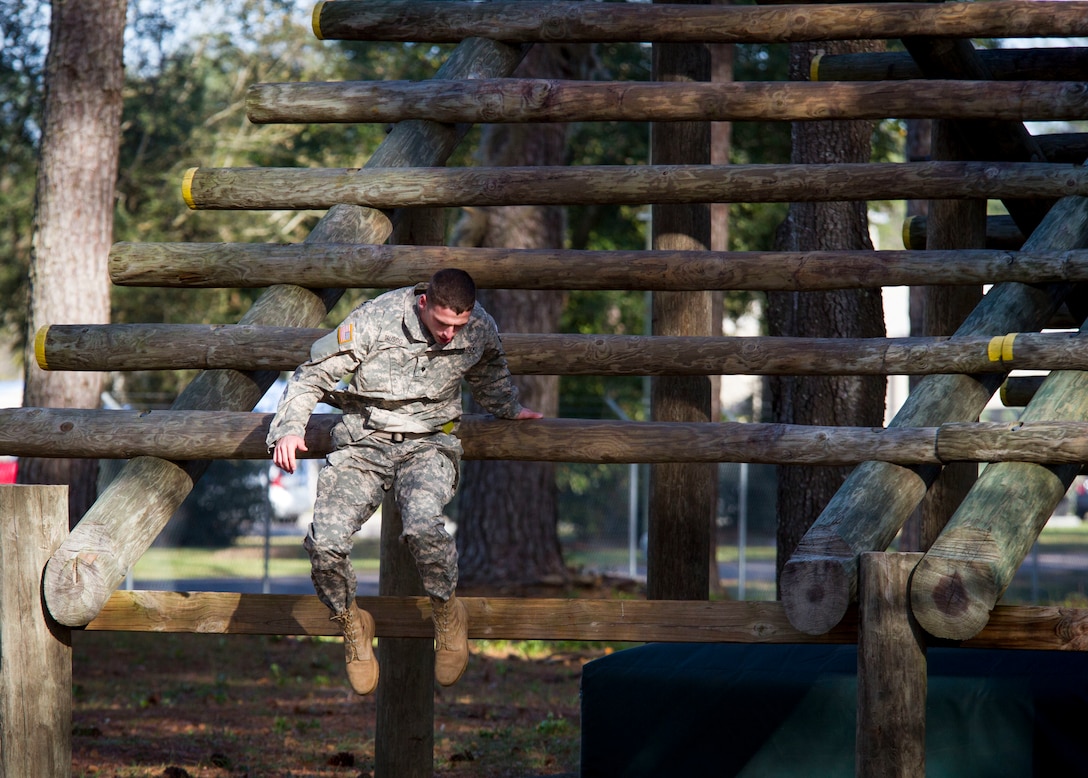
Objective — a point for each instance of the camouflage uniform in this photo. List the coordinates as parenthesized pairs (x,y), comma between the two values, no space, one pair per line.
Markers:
(401,400)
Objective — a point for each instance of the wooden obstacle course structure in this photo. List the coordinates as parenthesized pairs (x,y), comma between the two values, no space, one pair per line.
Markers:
(86,566)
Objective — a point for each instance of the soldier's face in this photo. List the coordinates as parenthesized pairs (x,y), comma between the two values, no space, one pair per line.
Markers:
(443,323)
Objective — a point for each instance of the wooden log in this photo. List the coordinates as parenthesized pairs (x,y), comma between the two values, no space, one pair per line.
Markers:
(36,671)
(108,347)
(184,435)
(1001,233)
(405,697)
(141,500)
(1025,628)
(1064,146)
(214,265)
(187,435)
(892,681)
(522,100)
(303,188)
(974,559)
(1017,391)
(490,618)
(555,22)
(1046,64)
(820,579)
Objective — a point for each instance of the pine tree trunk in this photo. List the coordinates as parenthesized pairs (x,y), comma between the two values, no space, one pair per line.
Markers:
(508,511)
(846,400)
(74,212)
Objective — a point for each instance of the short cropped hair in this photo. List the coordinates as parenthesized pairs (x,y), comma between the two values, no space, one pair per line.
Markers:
(452,288)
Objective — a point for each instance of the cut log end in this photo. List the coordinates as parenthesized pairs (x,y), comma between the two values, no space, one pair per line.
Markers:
(76,586)
(816,592)
(953,603)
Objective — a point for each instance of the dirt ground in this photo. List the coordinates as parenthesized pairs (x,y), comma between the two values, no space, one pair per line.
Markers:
(177,705)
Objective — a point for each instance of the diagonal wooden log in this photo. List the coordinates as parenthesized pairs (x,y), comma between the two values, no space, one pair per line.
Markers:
(300,188)
(986,139)
(555,22)
(135,507)
(965,572)
(213,265)
(1067,63)
(540,100)
(239,347)
(820,579)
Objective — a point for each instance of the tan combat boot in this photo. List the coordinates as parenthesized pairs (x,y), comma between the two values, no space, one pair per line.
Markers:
(450,639)
(358,628)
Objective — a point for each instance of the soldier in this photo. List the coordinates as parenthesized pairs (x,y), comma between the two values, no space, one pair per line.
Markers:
(394,366)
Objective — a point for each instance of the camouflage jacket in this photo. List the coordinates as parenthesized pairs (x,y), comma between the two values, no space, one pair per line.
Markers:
(397,377)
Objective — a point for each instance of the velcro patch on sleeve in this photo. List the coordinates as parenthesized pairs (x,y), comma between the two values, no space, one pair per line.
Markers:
(345,333)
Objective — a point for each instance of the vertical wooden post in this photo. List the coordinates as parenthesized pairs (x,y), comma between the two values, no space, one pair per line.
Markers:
(36,666)
(682,496)
(404,744)
(892,682)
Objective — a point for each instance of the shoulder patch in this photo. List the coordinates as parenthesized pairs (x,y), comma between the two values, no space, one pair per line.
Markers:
(345,333)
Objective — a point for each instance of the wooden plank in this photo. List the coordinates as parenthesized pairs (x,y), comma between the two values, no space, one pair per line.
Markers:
(820,579)
(892,682)
(36,671)
(547,100)
(306,188)
(492,618)
(213,265)
(555,22)
(111,347)
(1068,63)
(1036,628)
(139,497)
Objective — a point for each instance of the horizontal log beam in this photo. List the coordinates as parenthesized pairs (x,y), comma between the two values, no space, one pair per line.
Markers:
(496,618)
(1001,233)
(185,435)
(249,265)
(105,347)
(480,101)
(1050,64)
(491,618)
(189,435)
(304,188)
(554,22)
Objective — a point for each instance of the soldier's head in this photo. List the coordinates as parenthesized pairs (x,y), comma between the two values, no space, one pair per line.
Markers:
(447,304)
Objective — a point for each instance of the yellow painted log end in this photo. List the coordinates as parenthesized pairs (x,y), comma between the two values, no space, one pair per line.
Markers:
(187,188)
(39,347)
(906,232)
(315,20)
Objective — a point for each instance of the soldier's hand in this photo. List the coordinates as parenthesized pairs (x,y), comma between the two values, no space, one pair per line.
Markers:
(528,413)
(284,454)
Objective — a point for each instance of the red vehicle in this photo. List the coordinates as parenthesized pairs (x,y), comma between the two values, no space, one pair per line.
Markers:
(8,468)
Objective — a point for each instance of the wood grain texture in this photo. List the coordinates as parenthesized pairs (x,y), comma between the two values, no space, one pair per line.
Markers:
(243,347)
(540,100)
(213,265)
(526,21)
(305,188)
(1015,627)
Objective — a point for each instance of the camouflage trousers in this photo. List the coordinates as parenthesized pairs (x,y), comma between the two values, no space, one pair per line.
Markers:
(422,474)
